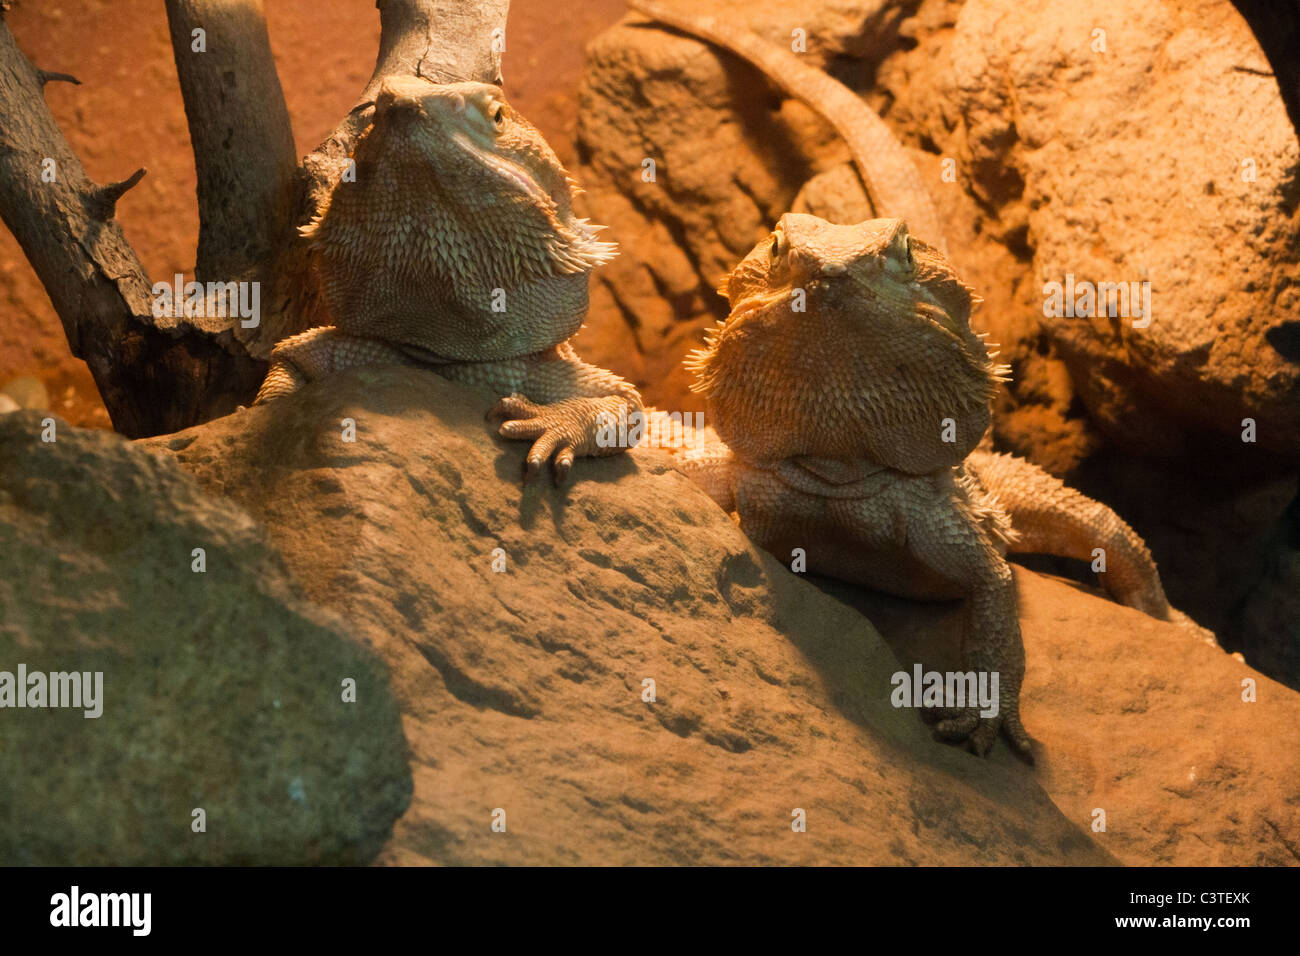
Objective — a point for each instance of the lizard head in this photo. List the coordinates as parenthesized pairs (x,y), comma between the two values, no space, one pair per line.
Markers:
(847,342)
(457,233)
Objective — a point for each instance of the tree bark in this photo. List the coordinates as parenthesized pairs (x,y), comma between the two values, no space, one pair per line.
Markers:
(239,129)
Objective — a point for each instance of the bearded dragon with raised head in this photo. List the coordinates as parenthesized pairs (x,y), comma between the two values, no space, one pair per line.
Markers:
(896,190)
(850,395)
(457,248)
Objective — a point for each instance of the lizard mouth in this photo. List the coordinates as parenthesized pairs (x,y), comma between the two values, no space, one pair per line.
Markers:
(751,305)
(508,171)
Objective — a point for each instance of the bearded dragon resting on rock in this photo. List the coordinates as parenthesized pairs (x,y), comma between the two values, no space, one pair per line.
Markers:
(833,418)
(457,248)
(851,393)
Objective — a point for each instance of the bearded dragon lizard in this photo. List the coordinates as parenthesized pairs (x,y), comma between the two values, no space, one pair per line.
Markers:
(896,190)
(456,247)
(850,393)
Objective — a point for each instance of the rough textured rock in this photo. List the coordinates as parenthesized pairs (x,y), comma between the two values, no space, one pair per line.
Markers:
(1137,718)
(1168,157)
(523,690)
(221,689)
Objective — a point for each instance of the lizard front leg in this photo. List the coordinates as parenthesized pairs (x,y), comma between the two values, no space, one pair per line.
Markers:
(558,402)
(945,535)
(713,468)
(307,356)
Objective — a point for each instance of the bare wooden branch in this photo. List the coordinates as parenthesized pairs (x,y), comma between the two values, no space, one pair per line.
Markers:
(102,203)
(239,128)
(45,76)
(154,374)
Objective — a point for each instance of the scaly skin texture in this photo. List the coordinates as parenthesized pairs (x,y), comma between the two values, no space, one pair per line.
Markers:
(1049,517)
(893,183)
(850,395)
(456,248)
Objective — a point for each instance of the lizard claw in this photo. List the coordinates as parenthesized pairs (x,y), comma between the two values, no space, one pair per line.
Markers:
(560,431)
(980,733)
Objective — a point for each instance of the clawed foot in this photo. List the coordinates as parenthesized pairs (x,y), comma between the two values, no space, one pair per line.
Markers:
(980,733)
(560,431)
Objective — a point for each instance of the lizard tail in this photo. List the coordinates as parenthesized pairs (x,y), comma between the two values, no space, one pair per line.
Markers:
(892,180)
(1051,518)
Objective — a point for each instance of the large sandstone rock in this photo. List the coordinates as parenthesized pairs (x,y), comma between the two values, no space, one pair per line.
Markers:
(1140,719)
(523,690)
(221,689)
(1169,157)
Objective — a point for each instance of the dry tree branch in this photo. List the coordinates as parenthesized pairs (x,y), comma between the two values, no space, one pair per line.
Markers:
(154,375)
(239,129)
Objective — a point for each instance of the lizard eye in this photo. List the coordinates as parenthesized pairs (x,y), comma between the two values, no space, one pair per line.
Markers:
(498,116)
(774,250)
(898,257)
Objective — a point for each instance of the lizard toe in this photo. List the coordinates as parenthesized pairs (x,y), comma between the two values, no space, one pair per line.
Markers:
(563,463)
(982,738)
(1015,732)
(528,428)
(542,451)
(960,726)
(514,406)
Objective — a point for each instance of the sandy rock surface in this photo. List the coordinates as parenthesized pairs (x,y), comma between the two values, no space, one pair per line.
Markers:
(1167,157)
(523,690)
(1139,718)
(221,690)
